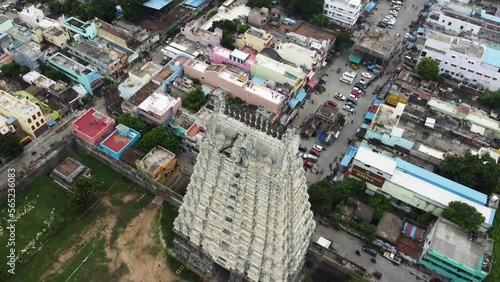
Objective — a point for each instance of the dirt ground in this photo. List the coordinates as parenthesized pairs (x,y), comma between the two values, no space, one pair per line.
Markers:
(135,256)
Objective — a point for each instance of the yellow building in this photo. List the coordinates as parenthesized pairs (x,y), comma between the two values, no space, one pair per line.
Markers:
(56,36)
(27,113)
(158,163)
(254,38)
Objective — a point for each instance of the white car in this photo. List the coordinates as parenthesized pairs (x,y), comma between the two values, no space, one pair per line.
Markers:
(366,75)
(353,97)
(317,147)
(348,108)
(339,96)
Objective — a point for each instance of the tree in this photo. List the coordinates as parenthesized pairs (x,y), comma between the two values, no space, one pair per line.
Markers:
(107,81)
(195,100)
(227,40)
(132,122)
(84,193)
(304,10)
(321,196)
(227,26)
(159,136)
(11,146)
(259,3)
(464,215)
(428,69)
(480,172)
(491,99)
(132,9)
(244,28)
(54,74)
(211,14)
(319,20)
(13,69)
(343,40)
(425,219)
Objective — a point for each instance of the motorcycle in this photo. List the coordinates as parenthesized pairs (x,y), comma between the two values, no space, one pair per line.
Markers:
(374,260)
(358,252)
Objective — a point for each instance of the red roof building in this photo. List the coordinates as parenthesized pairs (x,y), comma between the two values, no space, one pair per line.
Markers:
(93,126)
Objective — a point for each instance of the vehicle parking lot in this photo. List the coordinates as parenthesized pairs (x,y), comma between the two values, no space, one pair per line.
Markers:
(333,85)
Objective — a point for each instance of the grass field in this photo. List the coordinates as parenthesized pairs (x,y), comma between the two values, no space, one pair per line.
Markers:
(121,236)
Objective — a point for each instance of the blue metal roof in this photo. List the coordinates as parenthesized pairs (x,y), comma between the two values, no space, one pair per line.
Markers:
(389,140)
(421,30)
(157,4)
(490,17)
(491,57)
(302,94)
(444,183)
(258,80)
(377,102)
(11,120)
(364,125)
(370,116)
(194,3)
(349,155)
(370,7)
(293,103)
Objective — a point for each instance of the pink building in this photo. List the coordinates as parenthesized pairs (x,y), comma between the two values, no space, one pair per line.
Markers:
(93,127)
(193,32)
(159,107)
(237,58)
(235,84)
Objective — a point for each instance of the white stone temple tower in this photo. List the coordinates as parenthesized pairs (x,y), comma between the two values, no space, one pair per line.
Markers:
(246,208)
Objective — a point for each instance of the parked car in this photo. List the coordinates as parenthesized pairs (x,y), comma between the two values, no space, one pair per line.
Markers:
(377,274)
(314,153)
(369,251)
(357,90)
(353,97)
(302,148)
(318,147)
(352,102)
(360,86)
(362,81)
(308,164)
(331,104)
(355,93)
(382,24)
(339,96)
(348,108)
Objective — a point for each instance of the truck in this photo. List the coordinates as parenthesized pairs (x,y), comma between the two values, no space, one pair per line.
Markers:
(347,79)
(376,69)
(392,257)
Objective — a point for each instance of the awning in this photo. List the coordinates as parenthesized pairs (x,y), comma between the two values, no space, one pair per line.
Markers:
(370,116)
(370,6)
(312,83)
(301,96)
(364,125)
(353,58)
(377,102)
(349,155)
(293,103)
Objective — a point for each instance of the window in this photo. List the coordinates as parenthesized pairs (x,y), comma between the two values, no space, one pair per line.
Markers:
(471,62)
(487,76)
(457,74)
(38,114)
(478,73)
(438,60)
(494,78)
(379,173)
(453,57)
(447,71)
(471,71)
(33,117)
(29,120)
(445,63)
(32,127)
(453,65)
(461,27)
(449,23)
(423,54)
(462,68)
(474,80)
(452,73)
(228,219)
(37,124)
(442,69)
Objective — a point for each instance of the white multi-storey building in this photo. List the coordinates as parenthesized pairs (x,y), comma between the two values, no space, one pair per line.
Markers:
(464,59)
(343,12)
(246,209)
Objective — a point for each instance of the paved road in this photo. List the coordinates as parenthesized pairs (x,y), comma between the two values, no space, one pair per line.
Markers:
(346,246)
(333,84)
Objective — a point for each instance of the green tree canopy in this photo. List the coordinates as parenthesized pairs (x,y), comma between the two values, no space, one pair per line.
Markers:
(84,193)
(226,26)
(428,69)
(132,122)
(13,69)
(132,9)
(480,172)
(323,194)
(319,20)
(304,10)
(159,136)
(259,3)
(464,215)
(342,40)
(11,147)
(244,28)
(227,40)
(491,99)
(195,100)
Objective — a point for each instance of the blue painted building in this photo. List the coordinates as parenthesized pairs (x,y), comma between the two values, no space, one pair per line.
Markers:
(120,139)
(86,76)
(85,29)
